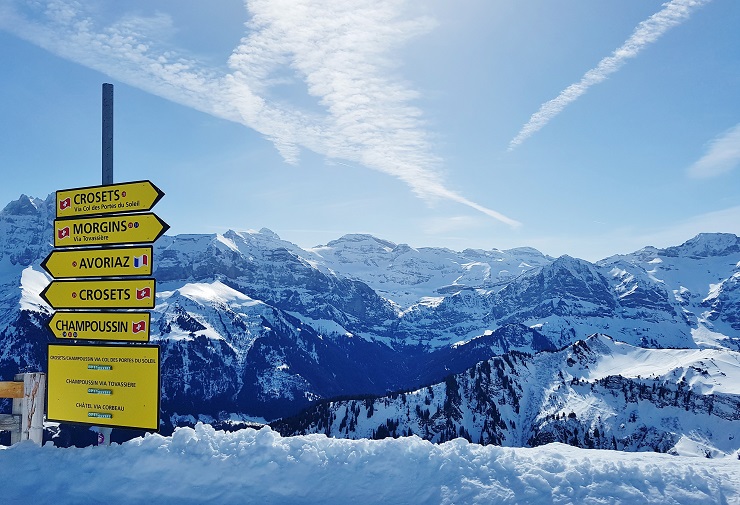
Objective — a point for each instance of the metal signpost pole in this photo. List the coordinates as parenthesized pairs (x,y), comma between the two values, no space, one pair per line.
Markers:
(107,134)
(104,433)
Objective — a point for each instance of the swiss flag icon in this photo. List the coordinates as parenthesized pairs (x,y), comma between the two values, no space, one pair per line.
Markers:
(63,232)
(139,327)
(65,204)
(143,293)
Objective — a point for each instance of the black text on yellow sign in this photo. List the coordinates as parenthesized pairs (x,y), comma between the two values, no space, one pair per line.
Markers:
(110,199)
(109,230)
(101,294)
(110,262)
(104,385)
(108,326)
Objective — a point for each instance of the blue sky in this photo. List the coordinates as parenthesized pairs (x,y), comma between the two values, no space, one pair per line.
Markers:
(585,127)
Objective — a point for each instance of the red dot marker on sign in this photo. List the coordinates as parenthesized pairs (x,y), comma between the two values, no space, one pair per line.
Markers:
(74,295)
(74,263)
(123,194)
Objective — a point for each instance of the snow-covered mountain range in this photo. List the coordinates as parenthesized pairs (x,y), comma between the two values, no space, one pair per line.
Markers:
(252,326)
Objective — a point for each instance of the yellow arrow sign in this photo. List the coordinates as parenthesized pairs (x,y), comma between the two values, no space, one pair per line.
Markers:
(112,230)
(104,385)
(100,294)
(111,262)
(111,326)
(111,199)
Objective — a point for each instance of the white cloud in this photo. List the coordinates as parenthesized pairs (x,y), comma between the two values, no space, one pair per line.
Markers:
(341,52)
(722,157)
(673,13)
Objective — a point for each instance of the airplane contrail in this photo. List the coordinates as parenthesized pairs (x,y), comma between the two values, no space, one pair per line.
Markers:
(673,13)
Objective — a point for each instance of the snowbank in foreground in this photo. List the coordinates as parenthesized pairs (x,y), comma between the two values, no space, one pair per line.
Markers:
(202,465)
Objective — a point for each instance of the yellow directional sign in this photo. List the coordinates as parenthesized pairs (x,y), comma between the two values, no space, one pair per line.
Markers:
(104,385)
(100,294)
(110,326)
(111,199)
(108,230)
(111,262)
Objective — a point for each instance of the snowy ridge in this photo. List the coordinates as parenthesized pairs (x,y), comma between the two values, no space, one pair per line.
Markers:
(407,275)
(263,467)
(597,393)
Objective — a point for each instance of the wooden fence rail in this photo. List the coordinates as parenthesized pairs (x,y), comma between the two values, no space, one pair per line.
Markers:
(27,420)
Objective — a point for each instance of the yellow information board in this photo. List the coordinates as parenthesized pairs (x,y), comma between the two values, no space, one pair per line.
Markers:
(109,262)
(100,294)
(109,326)
(104,385)
(110,199)
(108,230)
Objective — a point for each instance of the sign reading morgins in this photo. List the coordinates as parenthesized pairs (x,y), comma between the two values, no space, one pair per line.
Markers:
(110,199)
(123,229)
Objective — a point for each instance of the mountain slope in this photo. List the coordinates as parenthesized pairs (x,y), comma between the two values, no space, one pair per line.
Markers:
(596,393)
(252,325)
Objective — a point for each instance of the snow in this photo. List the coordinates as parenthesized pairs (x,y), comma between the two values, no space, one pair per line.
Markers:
(720,369)
(209,293)
(32,283)
(202,465)
(227,242)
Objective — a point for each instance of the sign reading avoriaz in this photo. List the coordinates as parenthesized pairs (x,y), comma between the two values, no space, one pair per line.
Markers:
(110,199)
(109,230)
(111,262)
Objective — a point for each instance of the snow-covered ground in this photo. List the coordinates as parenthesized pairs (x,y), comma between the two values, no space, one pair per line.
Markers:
(202,465)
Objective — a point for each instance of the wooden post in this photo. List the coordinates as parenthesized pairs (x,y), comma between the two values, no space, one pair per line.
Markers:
(11,390)
(28,407)
(32,408)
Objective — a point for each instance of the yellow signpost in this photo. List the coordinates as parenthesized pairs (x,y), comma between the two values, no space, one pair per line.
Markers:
(110,199)
(108,230)
(109,326)
(110,262)
(100,294)
(105,385)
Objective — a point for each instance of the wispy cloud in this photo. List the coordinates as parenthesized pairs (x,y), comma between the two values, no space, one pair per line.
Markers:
(340,52)
(722,156)
(673,13)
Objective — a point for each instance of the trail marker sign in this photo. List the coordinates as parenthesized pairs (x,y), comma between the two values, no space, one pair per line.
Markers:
(139,228)
(110,262)
(108,326)
(110,199)
(100,294)
(105,385)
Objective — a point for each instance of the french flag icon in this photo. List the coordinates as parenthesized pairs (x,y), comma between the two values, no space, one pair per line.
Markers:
(139,327)
(65,204)
(143,293)
(141,261)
